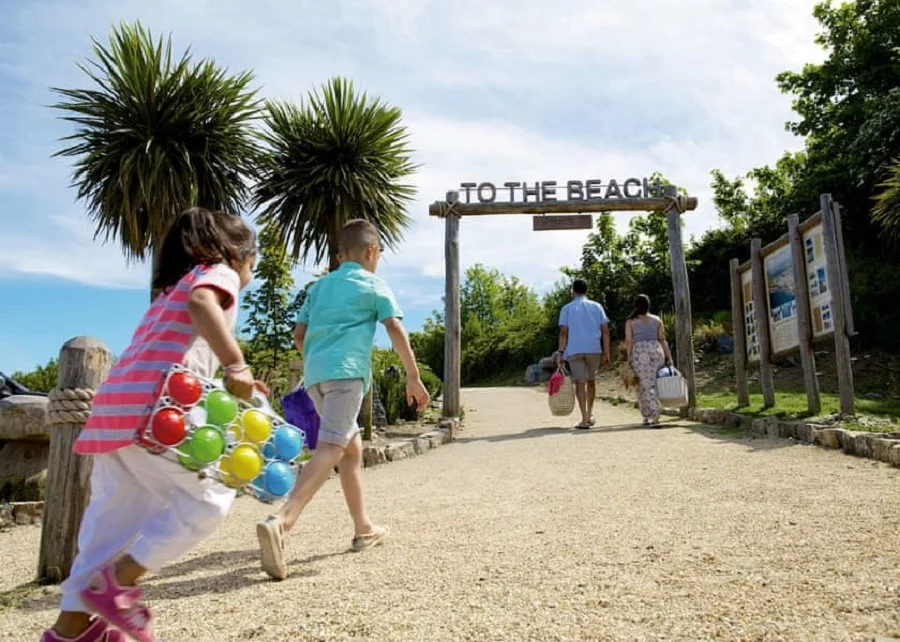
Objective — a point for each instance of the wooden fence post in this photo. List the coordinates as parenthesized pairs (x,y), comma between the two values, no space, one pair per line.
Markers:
(845,277)
(83,365)
(684,324)
(452,348)
(368,415)
(740,336)
(761,314)
(835,279)
(804,318)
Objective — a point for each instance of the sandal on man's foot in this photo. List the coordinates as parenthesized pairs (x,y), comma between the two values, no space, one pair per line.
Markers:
(584,425)
(270,534)
(368,540)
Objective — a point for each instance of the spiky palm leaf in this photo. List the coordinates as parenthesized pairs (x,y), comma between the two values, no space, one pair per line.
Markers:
(155,135)
(887,204)
(339,155)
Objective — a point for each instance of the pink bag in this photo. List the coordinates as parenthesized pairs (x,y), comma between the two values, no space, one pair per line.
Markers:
(556,382)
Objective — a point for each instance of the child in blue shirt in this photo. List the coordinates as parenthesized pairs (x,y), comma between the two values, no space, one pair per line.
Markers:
(335,331)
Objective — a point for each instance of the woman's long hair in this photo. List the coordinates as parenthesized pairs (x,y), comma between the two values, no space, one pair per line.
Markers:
(641,306)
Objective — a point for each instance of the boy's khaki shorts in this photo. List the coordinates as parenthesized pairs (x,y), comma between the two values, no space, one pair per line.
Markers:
(338,403)
(584,367)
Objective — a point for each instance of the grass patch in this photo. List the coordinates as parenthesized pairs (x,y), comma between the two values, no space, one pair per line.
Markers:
(792,405)
(14,598)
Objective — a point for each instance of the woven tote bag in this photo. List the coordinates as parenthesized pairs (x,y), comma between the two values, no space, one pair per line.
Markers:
(671,388)
(562,402)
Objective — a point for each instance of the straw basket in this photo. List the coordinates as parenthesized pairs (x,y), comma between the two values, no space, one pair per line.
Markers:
(563,402)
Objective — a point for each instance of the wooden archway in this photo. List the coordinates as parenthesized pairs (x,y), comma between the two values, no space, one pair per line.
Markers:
(583,199)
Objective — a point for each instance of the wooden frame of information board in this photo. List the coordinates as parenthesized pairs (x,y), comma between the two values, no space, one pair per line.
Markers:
(792,294)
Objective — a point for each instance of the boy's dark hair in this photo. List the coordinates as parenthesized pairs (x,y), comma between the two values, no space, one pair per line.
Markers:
(579,286)
(641,306)
(357,234)
(203,237)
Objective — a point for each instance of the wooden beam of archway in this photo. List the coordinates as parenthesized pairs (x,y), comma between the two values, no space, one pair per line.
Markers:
(440,209)
(451,210)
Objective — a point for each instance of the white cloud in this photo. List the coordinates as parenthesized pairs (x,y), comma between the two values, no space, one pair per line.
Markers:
(491,91)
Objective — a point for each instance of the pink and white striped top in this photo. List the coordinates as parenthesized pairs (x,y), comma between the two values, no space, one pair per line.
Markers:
(165,336)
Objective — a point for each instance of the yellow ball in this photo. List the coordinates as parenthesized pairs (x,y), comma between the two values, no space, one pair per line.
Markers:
(257,426)
(235,431)
(246,462)
(228,477)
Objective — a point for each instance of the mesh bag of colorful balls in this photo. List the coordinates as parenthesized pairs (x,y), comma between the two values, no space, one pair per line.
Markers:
(196,423)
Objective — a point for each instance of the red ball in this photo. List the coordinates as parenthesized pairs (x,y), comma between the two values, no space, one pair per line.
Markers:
(184,388)
(167,426)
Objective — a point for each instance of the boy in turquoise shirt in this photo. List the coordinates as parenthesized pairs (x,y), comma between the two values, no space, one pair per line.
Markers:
(335,331)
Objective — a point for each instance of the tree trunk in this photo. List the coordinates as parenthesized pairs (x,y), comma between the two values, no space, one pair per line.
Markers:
(155,261)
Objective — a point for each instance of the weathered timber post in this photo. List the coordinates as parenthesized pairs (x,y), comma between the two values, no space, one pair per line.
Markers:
(804,329)
(740,336)
(845,277)
(367,413)
(835,278)
(83,365)
(684,324)
(761,314)
(452,348)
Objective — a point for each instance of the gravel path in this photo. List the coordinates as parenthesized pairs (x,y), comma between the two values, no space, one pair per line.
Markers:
(527,531)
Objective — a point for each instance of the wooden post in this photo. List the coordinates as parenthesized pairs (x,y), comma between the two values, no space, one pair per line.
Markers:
(452,348)
(845,277)
(843,361)
(684,325)
(368,415)
(83,365)
(761,314)
(804,330)
(295,367)
(740,336)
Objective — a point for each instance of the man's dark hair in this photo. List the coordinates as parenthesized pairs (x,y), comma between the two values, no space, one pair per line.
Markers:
(579,286)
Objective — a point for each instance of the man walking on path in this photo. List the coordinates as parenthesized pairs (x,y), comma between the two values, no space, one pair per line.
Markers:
(583,342)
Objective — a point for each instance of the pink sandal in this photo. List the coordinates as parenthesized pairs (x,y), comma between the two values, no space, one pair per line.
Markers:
(121,606)
(98,631)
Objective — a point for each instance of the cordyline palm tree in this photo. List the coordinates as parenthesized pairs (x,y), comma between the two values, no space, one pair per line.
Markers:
(339,155)
(887,204)
(155,135)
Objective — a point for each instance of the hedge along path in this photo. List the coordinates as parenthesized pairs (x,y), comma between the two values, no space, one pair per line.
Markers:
(522,530)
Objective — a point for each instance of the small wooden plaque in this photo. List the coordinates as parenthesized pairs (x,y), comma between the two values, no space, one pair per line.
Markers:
(571,222)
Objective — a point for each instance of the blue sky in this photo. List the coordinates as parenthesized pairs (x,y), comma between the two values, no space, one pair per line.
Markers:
(499,91)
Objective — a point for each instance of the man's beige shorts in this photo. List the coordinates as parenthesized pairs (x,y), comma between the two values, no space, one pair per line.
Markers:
(584,367)
(338,403)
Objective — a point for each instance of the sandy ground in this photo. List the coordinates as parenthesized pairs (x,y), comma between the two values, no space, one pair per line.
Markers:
(528,530)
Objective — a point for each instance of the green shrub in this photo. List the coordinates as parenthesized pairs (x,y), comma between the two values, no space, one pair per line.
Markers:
(390,381)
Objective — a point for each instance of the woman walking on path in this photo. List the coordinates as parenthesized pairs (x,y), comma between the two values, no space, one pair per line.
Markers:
(648,351)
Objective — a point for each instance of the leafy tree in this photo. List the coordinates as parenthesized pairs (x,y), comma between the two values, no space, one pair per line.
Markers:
(339,155)
(41,379)
(156,134)
(887,205)
(272,307)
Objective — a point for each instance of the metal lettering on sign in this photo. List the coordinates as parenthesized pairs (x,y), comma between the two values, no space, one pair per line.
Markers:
(573,222)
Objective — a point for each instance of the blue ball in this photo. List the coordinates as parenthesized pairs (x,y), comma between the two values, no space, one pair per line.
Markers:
(268,450)
(279,478)
(288,442)
(258,486)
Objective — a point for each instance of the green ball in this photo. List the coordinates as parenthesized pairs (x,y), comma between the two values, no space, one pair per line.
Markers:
(185,457)
(207,444)
(221,408)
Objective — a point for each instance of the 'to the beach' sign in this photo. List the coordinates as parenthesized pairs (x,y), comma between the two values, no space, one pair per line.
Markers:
(544,191)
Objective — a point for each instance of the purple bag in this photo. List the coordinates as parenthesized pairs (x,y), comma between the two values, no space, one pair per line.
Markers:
(300,411)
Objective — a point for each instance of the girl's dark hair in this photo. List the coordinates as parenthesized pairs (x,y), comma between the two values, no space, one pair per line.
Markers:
(641,306)
(203,237)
